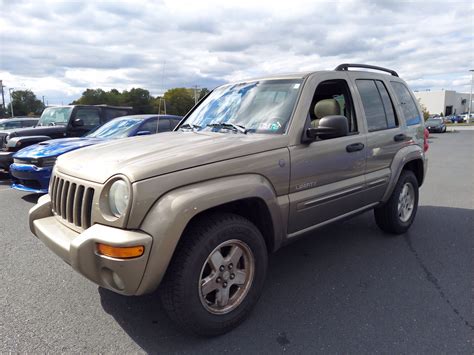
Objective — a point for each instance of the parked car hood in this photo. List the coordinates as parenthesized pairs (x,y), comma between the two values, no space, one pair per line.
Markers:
(139,158)
(55,147)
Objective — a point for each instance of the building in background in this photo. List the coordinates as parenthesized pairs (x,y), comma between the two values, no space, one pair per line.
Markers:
(445,102)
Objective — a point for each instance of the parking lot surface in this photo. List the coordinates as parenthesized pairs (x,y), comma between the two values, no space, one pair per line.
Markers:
(346,289)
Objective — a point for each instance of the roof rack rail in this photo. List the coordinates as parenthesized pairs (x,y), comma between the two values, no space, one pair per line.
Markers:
(346,66)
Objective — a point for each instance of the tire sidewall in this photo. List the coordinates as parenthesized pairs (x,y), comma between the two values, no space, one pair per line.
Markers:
(405,177)
(244,232)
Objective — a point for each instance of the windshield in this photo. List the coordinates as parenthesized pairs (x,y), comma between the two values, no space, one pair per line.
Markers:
(55,116)
(117,128)
(434,121)
(263,107)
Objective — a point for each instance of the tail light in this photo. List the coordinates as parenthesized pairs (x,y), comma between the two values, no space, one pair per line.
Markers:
(425,140)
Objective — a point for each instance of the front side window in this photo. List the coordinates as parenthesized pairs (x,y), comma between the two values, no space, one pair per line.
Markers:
(260,107)
(55,116)
(332,97)
(378,107)
(150,126)
(89,116)
(407,104)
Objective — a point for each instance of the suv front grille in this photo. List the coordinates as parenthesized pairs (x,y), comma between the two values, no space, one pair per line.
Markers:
(72,202)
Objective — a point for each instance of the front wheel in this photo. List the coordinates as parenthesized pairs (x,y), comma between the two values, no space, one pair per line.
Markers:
(398,213)
(216,275)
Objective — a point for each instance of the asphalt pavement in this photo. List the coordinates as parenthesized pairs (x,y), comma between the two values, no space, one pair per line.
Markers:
(347,289)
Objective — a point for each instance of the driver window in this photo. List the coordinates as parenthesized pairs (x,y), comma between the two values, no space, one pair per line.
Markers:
(90,117)
(332,97)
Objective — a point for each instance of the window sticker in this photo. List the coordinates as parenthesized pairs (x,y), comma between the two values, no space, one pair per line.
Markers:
(296,86)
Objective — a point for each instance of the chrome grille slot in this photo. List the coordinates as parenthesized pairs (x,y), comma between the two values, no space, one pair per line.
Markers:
(72,202)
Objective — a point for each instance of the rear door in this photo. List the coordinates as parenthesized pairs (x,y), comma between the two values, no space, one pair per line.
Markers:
(327,176)
(385,132)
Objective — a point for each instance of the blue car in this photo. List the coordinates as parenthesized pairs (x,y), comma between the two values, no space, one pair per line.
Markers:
(32,166)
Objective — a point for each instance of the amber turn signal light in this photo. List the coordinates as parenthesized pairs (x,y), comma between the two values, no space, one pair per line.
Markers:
(120,252)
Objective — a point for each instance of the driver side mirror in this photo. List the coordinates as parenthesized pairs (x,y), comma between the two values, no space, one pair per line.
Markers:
(78,122)
(143,133)
(329,127)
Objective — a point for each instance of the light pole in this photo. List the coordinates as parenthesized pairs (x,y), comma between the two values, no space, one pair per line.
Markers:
(11,101)
(470,97)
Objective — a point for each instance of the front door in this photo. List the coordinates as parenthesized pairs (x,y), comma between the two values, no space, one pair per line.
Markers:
(90,118)
(327,176)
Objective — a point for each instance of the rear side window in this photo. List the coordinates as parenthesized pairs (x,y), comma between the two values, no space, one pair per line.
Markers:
(378,107)
(407,104)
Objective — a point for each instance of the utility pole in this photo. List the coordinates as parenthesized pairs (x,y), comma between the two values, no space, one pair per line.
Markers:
(43,100)
(470,97)
(11,101)
(3,96)
(195,94)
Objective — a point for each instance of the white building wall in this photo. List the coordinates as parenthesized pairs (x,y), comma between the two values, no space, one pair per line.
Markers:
(437,101)
(432,100)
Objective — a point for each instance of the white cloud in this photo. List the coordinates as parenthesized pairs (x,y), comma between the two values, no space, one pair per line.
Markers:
(60,48)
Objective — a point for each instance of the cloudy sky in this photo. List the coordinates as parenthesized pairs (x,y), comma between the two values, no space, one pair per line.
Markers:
(60,48)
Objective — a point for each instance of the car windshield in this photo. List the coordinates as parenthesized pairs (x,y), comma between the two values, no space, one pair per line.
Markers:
(434,121)
(117,128)
(55,116)
(259,106)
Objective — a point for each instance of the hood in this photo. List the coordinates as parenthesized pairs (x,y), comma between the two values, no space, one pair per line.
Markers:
(139,158)
(5,132)
(55,147)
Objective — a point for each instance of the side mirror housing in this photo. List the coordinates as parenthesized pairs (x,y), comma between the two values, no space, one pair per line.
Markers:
(329,127)
(143,133)
(78,122)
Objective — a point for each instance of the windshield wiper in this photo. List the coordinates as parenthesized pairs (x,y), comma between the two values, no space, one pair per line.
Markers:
(235,127)
(190,126)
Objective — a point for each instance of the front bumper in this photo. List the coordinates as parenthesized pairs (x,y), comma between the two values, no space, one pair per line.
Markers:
(30,178)
(80,251)
(6,158)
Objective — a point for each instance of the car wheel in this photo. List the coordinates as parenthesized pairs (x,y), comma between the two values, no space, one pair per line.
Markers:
(216,275)
(398,213)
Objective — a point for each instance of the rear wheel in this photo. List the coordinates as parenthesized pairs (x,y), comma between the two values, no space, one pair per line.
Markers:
(398,213)
(216,275)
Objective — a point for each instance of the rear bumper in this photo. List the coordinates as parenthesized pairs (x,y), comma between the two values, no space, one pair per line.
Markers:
(6,158)
(30,178)
(80,251)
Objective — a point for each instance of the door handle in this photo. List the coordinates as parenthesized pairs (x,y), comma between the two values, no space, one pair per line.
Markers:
(401,137)
(354,147)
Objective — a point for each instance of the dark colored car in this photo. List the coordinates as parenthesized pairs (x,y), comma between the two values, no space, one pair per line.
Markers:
(435,125)
(32,165)
(57,122)
(455,119)
(17,122)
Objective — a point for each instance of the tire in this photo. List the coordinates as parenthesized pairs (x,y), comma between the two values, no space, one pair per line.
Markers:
(183,294)
(392,219)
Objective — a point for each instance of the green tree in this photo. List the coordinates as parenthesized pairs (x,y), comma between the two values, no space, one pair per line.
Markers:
(92,97)
(139,99)
(178,101)
(25,103)
(426,113)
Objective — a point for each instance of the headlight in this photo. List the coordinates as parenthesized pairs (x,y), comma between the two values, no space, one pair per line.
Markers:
(47,162)
(119,197)
(7,138)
